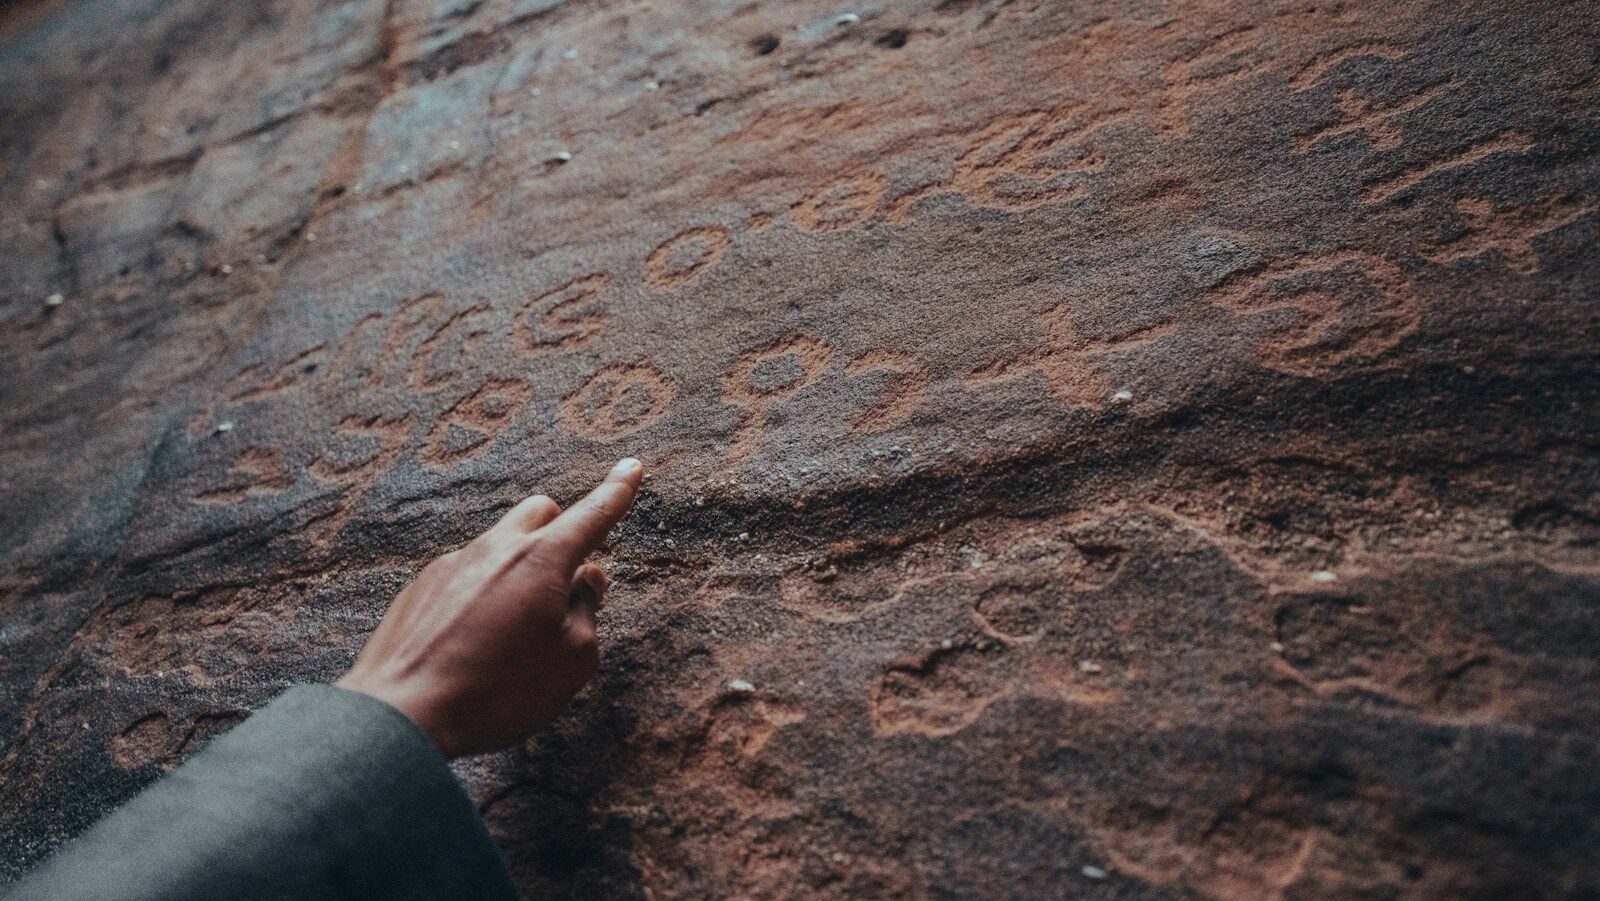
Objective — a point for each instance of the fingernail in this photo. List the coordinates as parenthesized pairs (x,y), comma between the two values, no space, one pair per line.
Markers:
(626,467)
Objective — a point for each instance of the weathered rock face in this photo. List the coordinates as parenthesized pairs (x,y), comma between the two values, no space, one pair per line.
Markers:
(1153,437)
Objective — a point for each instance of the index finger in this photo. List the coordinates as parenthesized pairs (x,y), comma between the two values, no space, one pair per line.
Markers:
(578,531)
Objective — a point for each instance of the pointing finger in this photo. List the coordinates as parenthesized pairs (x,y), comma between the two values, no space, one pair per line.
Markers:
(578,532)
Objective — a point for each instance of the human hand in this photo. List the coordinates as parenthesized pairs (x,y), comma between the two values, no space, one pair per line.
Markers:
(491,641)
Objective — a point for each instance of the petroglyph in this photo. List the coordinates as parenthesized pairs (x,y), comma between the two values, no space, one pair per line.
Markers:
(1247,52)
(290,375)
(832,596)
(409,321)
(367,447)
(1342,647)
(940,694)
(198,637)
(685,257)
(370,445)
(617,401)
(1506,142)
(1064,359)
(739,726)
(1313,72)
(1232,54)
(843,204)
(346,364)
(1230,57)
(907,382)
(1013,612)
(467,328)
(468,428)
(1380,124)
(1325,309)
(256,472)
(765,375)
(1510,233)
(1256,848)
(899,210)
(1037,577)
(343,368)
(1024,161)
(566,318)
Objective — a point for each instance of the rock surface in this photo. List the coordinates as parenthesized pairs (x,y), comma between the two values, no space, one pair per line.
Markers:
(1136,449)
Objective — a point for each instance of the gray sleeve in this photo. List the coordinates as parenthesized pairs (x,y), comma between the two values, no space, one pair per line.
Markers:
(324,793)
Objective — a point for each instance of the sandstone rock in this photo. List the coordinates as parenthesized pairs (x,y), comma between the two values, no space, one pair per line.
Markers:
(1005,371)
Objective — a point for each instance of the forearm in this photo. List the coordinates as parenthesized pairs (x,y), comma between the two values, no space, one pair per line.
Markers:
(322,794)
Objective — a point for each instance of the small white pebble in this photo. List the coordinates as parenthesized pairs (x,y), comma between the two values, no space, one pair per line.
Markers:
(564,156)
(1095,872)
(1089,666)
(741,686)
(661,524)
(455,145)
(311,236)
(977,564)
(227,269)
(838,857)
(1277,647)
(54,300)
(1324,576)
(571,54)
(86,727)
(652,85)
(1122,397)
(224,427)
(947,644)
(744,536)
(847,19)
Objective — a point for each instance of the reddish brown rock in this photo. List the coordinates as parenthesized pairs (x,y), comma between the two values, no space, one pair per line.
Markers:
(1156,438)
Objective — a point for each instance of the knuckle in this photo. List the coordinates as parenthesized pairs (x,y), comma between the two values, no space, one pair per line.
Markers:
(537,550)
(585,641)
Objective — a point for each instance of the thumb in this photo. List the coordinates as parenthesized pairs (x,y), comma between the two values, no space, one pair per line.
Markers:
(589,586)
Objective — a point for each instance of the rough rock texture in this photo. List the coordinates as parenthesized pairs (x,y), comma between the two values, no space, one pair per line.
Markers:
(1156,437)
